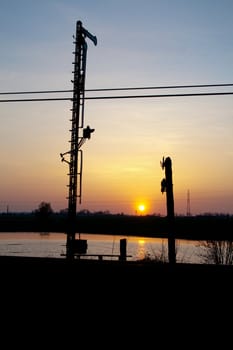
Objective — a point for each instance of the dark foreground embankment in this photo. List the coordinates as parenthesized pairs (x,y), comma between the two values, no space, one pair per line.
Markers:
(109,301)
(97,277)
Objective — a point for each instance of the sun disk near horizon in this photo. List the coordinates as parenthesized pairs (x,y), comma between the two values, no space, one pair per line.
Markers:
(141,208)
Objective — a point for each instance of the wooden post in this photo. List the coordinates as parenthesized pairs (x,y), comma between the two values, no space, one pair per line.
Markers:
(123,243)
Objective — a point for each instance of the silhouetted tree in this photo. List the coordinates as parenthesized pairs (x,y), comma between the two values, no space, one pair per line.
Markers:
(44,210)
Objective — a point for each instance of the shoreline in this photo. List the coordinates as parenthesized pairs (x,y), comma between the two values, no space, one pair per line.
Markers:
(61,282)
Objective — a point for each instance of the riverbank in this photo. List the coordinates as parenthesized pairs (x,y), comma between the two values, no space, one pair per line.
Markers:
(149,278)
(127,300)
(200,227)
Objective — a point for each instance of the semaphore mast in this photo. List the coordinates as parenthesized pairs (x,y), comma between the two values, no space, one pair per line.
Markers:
(77,140)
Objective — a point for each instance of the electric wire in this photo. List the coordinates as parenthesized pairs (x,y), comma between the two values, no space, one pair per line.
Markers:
(119,97)
(160,95)
(38,99)
(119,89)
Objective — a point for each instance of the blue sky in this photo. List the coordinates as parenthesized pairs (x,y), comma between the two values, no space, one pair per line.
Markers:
(140,43)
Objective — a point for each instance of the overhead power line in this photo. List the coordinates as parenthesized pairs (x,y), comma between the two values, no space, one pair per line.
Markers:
(120,97)
(38,99)
(119,89)
(162,87)
(158,96)
(34,92)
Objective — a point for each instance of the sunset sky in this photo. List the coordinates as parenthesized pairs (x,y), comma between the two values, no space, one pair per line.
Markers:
(140,44)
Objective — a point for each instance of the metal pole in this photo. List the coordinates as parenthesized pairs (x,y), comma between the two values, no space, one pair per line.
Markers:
(75,162)
(167,186)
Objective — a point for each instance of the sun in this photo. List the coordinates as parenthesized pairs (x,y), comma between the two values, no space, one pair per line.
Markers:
(141,208)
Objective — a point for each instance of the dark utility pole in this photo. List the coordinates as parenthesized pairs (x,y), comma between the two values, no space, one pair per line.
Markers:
(167,186)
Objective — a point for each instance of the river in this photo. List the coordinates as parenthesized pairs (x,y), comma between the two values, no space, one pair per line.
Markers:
(36,244)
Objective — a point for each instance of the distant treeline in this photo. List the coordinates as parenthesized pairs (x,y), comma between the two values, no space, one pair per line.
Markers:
(200,227)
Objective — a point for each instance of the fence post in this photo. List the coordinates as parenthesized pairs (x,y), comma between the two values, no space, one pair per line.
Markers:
(123,243)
